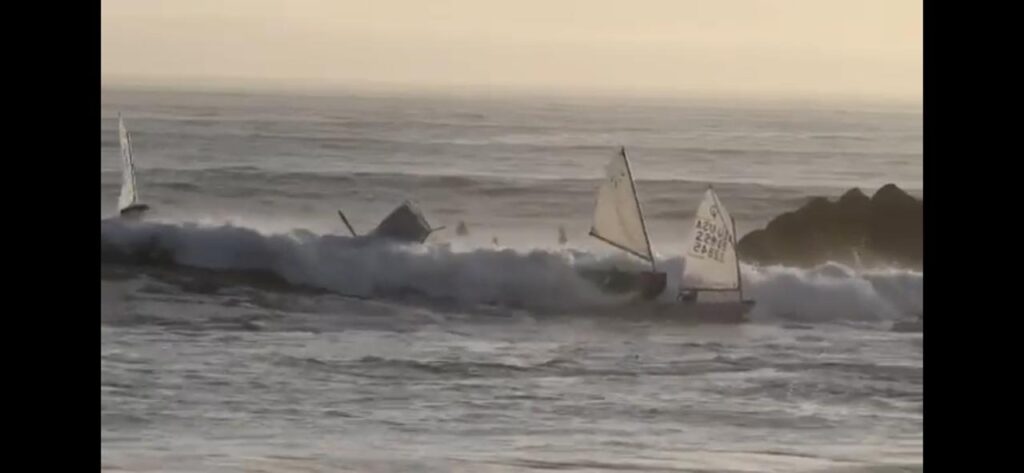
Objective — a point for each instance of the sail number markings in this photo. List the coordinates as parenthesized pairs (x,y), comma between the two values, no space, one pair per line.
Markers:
(710,241)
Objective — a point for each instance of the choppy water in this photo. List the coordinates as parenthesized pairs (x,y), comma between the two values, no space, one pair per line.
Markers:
(323,361)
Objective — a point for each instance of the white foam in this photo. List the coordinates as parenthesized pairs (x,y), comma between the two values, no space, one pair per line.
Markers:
(529,278)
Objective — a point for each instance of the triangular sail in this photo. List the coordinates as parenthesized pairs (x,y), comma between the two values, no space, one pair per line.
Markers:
(711,252)
(618,219)
(562,239)
(129,193)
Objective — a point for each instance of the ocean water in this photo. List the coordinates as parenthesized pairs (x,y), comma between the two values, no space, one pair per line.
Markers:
(268,341)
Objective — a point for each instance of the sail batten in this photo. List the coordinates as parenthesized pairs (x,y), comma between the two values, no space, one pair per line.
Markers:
(618,219)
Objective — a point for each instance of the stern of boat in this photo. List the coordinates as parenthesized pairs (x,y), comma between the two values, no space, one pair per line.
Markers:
(651,284)
(134,212)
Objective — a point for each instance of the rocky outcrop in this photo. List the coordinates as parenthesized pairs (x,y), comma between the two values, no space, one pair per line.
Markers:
(885,229)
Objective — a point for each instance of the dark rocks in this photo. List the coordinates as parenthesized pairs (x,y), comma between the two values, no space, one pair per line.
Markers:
(886,229)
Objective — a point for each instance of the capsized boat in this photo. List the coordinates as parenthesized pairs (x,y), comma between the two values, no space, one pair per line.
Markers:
(404,224)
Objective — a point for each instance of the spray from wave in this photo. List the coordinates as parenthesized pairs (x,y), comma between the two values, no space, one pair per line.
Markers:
(354,266)
(535,279)
(835,292)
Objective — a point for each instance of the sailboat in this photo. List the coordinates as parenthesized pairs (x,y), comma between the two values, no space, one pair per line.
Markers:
(129,205)
(562,239)
(405,224)
(712,266)
(619,222)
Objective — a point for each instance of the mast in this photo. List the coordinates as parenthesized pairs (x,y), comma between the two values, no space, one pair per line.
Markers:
(733,240)
(131,165)
(639,210)
(735,250)
(345,221)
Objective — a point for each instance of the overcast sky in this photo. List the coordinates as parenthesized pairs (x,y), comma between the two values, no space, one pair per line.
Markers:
(769,48)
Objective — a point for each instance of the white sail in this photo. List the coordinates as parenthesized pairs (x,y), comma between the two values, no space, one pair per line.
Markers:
(711,252)
(618,219)
(129,193)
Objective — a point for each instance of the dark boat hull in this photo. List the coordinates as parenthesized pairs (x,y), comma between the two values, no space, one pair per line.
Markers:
(134,211)
(406,223)
(647,284)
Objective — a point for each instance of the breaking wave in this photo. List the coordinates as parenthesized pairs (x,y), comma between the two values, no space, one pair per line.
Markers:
(540,280)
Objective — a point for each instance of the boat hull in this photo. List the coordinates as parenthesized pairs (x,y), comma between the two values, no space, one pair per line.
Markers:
(651,284)
(648,285)
(134,211)
(405,224)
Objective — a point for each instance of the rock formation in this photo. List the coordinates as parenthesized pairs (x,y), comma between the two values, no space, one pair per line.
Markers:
(885,229)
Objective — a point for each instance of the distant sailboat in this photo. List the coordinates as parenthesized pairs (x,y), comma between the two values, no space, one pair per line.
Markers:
(128,204)
(461,229)
(561,235)
(619,221)
(712,264)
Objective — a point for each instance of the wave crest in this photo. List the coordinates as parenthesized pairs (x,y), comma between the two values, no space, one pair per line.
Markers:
(535,279)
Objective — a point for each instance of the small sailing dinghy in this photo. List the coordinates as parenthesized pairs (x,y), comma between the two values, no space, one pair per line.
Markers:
(712,268)
(128,204)
(562,239)
(405,224)
(619,222)
(461,229)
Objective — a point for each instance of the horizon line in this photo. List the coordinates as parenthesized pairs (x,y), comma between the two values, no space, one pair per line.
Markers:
(318,87)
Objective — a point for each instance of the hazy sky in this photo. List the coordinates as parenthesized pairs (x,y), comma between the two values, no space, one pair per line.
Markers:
(859,48)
